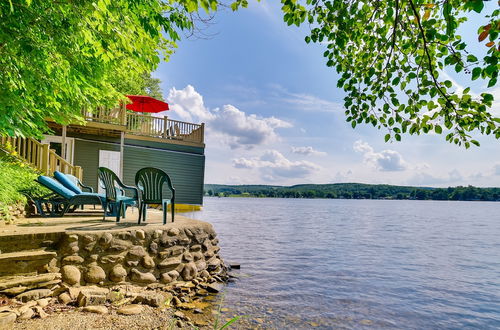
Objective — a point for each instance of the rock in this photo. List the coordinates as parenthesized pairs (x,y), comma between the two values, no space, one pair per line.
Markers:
(174,275)
(91,296)
(145,278)
(157,233)
(173,232)
(70,274)
(189,271)
(14,291)
(165,278)
(197,256)
(26,306)
(195,248)
(204,274)
(180,315)
(197,311)
(234,266)
(176,301)
(96,309)
(88,299)
(72,238)
(28,314)
(148,262)
(34,294)
(132,263)
(28,281)
(188,257)
(43,302)
(7,319)
(118,245)
(150,299)
(118,274)
(74,293)
(136,252)
(112,259)
(130,310)
(64,298)
(179,324)
(106,239)
(140,234)
(95,274)
(40,312)
(215,287)
(153,247)
(170,263)
(201,265)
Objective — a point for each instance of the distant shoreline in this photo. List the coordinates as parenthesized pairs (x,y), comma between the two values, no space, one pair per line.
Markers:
(355,191)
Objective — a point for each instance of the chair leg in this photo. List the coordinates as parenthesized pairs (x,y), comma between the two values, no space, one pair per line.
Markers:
(173,210)
(164,209)
(144,212)
(118,211)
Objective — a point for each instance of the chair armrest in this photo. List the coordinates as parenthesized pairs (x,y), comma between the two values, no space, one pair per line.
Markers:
(87,188)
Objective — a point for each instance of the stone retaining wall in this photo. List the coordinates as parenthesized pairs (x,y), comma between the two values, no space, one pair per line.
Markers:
(140,257)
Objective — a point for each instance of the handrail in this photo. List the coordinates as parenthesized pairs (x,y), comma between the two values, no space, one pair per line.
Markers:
(40,156)
(147,125)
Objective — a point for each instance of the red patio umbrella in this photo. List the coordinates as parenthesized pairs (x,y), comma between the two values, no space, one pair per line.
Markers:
(142,103)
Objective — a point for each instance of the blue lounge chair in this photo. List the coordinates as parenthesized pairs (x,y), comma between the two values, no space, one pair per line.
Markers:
(62,199)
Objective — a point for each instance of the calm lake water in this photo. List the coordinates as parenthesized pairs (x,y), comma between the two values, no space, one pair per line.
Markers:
(360,263)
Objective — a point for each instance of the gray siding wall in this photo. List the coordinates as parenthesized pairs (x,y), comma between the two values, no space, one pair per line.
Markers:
(186,169)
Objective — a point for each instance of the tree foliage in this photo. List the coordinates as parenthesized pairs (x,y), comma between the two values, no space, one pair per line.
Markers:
(391,56)
(355,191)
(57,57)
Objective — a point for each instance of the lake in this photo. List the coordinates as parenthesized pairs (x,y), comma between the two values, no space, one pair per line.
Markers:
(316,263)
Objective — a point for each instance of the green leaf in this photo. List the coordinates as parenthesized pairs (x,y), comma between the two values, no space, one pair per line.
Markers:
(387,137)
(448,83)
(476,72)
(398,137)
(474,142)
(438,129)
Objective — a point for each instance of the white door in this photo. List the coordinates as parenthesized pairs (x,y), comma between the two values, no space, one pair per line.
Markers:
(111,160)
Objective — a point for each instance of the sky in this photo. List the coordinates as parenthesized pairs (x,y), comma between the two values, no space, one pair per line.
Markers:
(274,115)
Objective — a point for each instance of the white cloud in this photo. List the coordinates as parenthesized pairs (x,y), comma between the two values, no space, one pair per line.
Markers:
(386,160)
(303,101)
(307,151)
(424,178)
(229,124)
(273,164)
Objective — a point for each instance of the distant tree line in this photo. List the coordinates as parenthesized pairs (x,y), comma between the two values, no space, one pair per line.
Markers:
(355,191)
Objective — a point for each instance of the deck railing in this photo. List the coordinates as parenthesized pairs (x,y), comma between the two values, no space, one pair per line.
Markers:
(40,156)
(148,125)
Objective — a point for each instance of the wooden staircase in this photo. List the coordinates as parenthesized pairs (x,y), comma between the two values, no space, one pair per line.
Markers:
(39,155)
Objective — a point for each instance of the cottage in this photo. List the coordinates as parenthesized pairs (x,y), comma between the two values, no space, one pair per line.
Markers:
(123,141)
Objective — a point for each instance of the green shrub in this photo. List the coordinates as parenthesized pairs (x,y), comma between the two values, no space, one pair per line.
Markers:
(16,179)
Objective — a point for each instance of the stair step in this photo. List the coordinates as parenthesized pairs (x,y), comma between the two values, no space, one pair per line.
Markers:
(14,243)
(24,262)
(34,281)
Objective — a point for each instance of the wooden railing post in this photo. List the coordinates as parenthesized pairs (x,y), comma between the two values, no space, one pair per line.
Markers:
(45,159)
(165,126)
(123,115)
(202,131)
(78,172)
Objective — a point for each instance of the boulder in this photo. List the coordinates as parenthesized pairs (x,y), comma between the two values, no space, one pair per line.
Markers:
(106,239)
(64,298)
(118,274)
(173,232)
(130,310)
(215,287)
(95,274)
(136,252)
(34,294)
(140,277)
(70,274)
(72,260)
(96,309)
(189,271)
(170,263)
(148,262)
(7,319)
(26,315)
(140,234)
(40,312)
(112,259)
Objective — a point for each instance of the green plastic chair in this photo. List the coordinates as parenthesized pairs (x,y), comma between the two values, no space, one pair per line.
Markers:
(111,182)
(150,181)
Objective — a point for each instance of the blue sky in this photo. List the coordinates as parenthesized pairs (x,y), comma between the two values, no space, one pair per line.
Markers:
(274,114)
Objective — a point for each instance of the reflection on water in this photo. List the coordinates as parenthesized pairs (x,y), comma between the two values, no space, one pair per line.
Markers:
(360,263)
